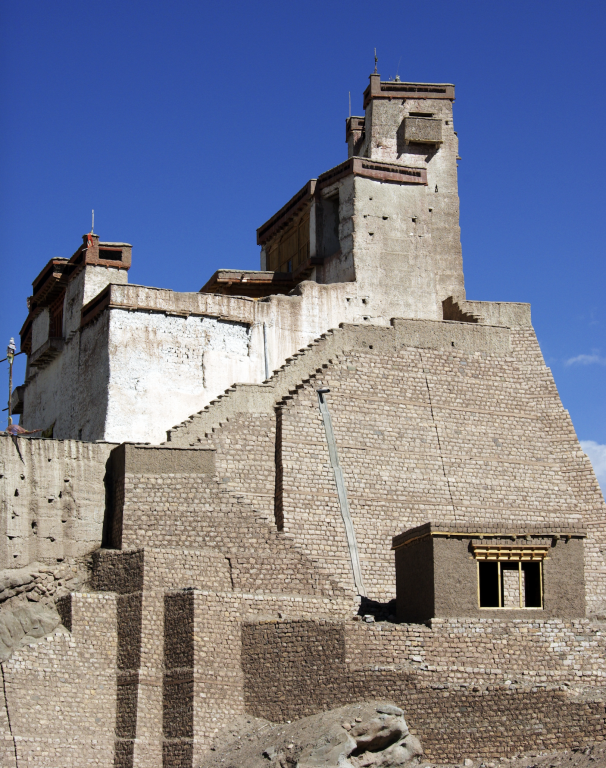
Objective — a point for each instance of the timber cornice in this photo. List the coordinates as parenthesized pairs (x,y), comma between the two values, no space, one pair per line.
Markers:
(355,166)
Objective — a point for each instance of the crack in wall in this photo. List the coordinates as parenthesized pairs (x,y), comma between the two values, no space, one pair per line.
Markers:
(8,717)
(231,572)
(433,418)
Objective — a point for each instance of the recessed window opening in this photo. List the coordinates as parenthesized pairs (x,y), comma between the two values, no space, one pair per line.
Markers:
(110,254)
(327,224)
(510,584)
(421,114)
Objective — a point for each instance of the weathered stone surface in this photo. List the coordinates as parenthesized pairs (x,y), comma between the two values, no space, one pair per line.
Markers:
(52,501)
(379,738)
(26,623)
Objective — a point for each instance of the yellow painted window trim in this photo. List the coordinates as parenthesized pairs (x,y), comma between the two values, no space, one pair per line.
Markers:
(501,607)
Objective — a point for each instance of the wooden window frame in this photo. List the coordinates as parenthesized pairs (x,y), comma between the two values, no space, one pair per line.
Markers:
(519,561)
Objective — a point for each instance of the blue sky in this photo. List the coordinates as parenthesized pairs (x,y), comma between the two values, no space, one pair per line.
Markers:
(185,125)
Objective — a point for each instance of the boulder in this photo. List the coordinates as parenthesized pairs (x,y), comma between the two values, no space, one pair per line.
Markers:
(364,735)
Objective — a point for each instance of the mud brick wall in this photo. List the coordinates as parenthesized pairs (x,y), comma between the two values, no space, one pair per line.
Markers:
(576,469)
(218,672)
(426,434)
(293,669)
(115,571)
(60,691)
(218,681)
(52,499)
(245,459)
(129,618)
(113,525)
(147,748)
(475,432)
(186,569)
(486,652)
(153,569)
(191,511)
(178,679)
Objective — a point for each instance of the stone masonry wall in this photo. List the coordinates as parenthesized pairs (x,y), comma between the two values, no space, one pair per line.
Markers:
(526,697)
(61,690)
(577,471)
(424,430)
(192,512)
(433,420)
(429,434)
(179,681)
(245,459)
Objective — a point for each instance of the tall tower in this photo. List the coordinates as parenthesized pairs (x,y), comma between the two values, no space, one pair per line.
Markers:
(407,235)
(387,219)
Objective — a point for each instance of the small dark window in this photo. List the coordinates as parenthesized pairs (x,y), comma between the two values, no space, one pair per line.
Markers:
(489,585)
(110,254)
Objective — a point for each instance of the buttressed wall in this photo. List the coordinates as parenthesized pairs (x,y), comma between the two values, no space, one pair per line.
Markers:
(239,557)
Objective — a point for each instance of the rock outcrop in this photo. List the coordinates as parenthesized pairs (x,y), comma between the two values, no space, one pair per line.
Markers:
(366,735)
(28,598)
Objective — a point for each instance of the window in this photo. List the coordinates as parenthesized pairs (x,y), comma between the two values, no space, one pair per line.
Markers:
(328,226)
(510,578)
(110,254)
(55,330)
(292,248)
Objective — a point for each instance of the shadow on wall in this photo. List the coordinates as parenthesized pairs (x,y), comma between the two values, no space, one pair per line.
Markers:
(376,611)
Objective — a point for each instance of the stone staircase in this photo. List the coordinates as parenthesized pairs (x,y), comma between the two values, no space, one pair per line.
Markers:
(294,373)
(309,361)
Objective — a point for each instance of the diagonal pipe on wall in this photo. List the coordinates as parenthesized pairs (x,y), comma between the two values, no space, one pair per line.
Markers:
(342,493)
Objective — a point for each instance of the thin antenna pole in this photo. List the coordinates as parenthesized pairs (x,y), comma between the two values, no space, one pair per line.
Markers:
(10,356)
(376,60)
(92,226)
(350,103)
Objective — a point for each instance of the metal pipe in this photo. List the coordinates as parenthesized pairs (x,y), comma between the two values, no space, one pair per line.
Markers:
(342,493)
(265,351)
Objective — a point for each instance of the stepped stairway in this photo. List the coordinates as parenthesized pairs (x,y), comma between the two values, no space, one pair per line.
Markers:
(299,368)
(240,400)
(293,374)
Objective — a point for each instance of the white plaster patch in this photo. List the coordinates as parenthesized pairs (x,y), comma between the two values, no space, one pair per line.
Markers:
(164,367)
